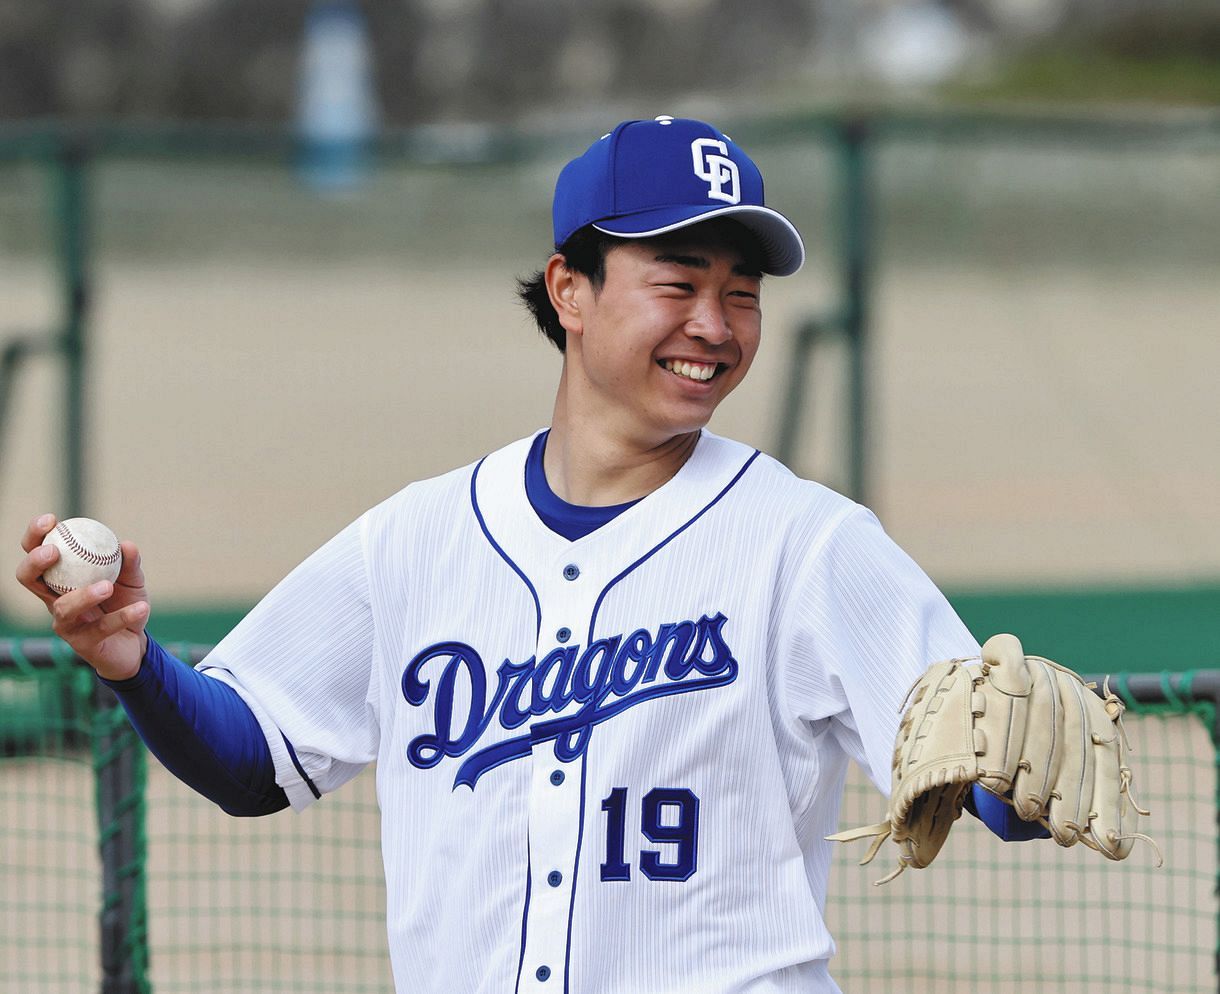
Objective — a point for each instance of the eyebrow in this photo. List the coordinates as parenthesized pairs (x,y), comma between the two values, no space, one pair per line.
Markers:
(701,262)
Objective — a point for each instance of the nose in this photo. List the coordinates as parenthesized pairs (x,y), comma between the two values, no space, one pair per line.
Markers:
(709,321)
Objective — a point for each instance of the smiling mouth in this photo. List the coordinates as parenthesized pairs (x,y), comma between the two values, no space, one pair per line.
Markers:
(698,371)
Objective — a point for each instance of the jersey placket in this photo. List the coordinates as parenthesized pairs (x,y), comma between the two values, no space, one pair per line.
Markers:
(556,803)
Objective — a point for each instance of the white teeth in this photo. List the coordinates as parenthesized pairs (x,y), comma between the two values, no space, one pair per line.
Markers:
(691,371)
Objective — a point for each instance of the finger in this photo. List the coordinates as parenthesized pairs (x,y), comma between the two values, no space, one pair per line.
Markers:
(1114,816)
(1000,708)
(36,531)
(1043,746)
(1004,658)
(1068,810)
(133,616)
(80,607)
(98,640)
(31,568)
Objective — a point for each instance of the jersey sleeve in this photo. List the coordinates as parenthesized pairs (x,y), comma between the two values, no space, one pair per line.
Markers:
(867,622)
(302,661)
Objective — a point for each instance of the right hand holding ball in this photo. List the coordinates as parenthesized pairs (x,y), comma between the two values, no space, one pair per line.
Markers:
(93,587)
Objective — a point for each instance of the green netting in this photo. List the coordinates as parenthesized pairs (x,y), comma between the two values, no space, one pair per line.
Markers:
(50,876)
(288,903)
(296,902)
(1007,918)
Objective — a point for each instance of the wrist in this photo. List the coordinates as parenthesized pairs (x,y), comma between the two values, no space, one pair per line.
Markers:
(120,677)
(125,674)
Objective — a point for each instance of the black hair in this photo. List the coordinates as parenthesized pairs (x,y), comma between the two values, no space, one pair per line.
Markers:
(584,252)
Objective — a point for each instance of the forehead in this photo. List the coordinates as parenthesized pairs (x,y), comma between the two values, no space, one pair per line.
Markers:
(711,241)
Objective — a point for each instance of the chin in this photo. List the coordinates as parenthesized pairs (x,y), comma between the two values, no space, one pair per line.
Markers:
(683,426)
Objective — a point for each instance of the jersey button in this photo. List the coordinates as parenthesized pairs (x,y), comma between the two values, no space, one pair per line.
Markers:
(554,878)
(543,973)
(557,777)
(564,633)
(571,571)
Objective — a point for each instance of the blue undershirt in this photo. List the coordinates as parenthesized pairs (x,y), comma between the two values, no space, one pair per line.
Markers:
(572,521)
(207,736)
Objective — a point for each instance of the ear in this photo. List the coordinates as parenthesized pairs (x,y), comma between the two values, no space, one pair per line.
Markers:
(562,285)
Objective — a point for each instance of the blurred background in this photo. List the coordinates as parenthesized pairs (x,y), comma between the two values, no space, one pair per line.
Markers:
(480,60)
(257,273)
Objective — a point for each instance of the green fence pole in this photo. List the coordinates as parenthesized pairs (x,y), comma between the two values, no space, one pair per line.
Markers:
(121,779)
(854,151)
(70,215)
(807,336)
(853,138)
(118,756)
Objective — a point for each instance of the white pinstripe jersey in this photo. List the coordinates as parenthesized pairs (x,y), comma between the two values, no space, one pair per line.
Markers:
(604,765)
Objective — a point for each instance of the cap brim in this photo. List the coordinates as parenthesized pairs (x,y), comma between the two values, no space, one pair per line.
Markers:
(781,244)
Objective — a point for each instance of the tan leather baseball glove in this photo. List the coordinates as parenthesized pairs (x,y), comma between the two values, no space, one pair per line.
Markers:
(1028,730)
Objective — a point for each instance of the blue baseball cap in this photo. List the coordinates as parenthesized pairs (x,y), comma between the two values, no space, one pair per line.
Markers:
(647,178)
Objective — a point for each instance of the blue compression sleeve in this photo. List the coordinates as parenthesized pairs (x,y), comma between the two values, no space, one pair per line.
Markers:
(202,732)
(1000,818)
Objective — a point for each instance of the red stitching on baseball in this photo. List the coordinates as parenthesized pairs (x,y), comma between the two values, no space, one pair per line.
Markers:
(88,555)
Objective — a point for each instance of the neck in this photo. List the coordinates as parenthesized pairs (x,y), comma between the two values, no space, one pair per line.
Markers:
(590,464)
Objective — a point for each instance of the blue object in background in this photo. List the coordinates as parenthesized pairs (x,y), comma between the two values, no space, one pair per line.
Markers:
(337,115)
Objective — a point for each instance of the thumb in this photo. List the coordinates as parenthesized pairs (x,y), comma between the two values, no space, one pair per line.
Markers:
(131,573)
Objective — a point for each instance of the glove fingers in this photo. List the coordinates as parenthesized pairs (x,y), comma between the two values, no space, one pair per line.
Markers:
(1072,795)
(1043,746)
(1000,712)
(1114,817)
(931,816)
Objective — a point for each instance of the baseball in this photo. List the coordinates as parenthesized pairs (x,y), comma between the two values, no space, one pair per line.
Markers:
(88,552)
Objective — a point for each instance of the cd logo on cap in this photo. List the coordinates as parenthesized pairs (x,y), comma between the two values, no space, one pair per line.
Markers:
(713,166)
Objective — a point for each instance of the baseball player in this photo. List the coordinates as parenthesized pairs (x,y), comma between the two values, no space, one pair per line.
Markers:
(612,674)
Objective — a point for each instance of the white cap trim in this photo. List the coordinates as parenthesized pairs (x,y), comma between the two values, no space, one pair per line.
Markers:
(778,235)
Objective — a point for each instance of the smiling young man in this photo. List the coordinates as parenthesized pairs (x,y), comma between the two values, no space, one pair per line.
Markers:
(613,673)
(652,347)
